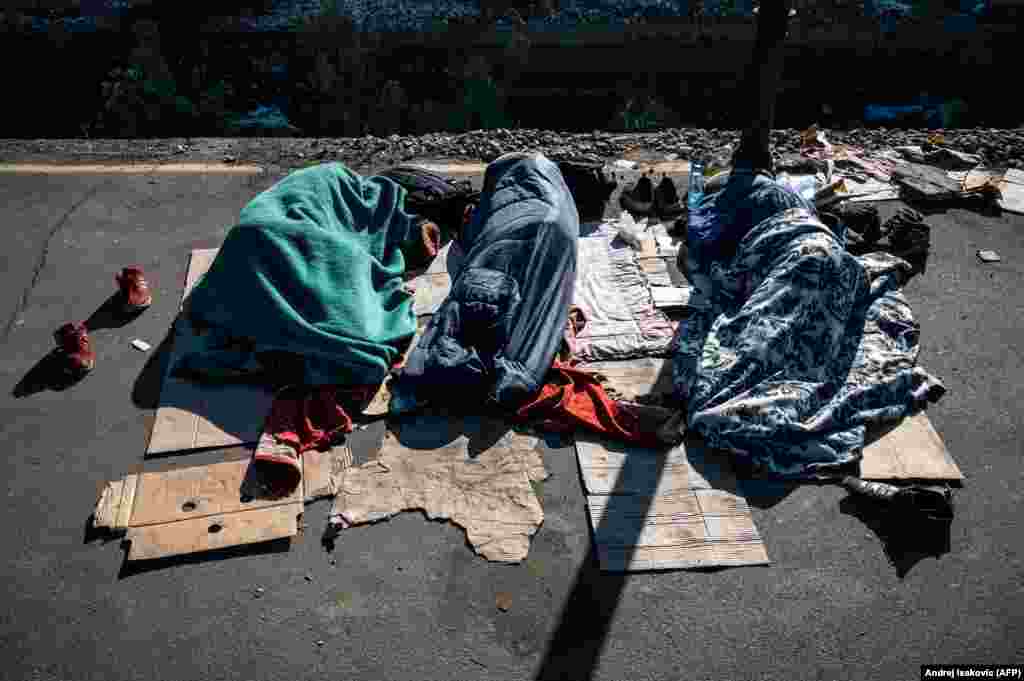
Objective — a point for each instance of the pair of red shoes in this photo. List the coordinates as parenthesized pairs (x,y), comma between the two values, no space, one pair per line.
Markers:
(73,338)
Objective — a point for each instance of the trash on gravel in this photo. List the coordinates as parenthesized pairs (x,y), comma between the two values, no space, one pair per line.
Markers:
(141,345)
(813,138)
(988,256)
(623,164)
(1012,191)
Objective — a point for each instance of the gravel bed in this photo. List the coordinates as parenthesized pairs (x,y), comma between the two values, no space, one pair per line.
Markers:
(1001,148)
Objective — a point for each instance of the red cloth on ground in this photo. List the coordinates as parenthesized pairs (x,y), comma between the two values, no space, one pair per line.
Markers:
(301,419)
(573,399)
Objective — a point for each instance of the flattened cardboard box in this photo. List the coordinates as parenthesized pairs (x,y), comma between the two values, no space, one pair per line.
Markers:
(661,510)
(194,416)
(201,508)
(191,415)
(908,450)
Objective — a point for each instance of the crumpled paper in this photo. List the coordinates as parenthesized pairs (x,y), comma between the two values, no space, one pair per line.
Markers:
(473,471)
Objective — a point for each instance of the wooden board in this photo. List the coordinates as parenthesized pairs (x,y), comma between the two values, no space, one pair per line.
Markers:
(636,378)
(690,529)
(618,468)
(320,469)
(912,450)
(171,513)
(201,491)
(194,416)
(214,532)
(670,509)
(114,508)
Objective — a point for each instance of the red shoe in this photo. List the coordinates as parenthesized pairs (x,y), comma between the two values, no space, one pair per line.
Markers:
(73,340)
(134,289)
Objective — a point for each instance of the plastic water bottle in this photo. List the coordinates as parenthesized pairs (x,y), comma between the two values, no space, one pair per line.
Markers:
(696,189)
(699,226)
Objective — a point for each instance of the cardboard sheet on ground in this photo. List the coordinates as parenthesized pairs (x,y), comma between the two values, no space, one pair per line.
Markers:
(200,508)
(473,471)
(660,510)
(190,415)
(908,450)
(434,284)
(194,416)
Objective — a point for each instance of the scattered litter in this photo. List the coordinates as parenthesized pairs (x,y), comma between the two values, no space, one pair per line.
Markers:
(623,164)
(814,139)
(670,296)
(141,345)
(870,190)
(671,157)
(830,194)
(988,256)
(1012,190)
(941,157)
(259,591)
(477,662)
(334,561)
(982,179)
(503,600)
(309,578)
(230,159)
(181,149)
(320,643)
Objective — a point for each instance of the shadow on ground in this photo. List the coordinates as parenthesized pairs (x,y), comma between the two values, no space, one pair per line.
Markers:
(133,568)
(906,541)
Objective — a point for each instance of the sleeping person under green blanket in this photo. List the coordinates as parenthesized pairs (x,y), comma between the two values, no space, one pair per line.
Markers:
(308,287)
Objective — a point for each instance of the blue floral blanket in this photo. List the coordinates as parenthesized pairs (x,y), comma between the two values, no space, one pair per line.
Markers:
(796,348)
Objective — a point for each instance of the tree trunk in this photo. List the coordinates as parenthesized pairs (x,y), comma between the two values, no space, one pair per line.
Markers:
(761,84)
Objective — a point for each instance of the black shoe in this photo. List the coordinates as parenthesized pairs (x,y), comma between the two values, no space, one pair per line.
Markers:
(862,219)
(667,205)
(639,200)
(930,502)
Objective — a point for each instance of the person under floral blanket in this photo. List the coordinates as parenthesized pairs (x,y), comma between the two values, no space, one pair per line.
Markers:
(796,345)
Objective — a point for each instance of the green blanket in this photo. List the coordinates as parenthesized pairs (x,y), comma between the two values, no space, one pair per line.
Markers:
(309,284)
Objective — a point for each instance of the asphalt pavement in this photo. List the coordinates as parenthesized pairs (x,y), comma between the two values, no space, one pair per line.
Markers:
(844,597)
